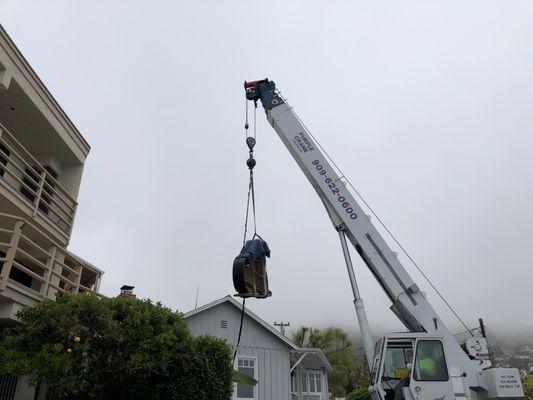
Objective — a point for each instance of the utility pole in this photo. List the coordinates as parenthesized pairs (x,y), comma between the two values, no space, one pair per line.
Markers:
(196,302)
(282,326)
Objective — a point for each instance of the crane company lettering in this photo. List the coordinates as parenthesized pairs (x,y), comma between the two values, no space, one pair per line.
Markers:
(303,143)
(508,382)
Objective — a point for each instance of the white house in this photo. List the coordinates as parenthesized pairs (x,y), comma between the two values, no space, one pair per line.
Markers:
(283,370)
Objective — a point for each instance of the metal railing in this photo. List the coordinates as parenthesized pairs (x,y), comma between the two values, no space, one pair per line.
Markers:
(38,268)
(8,386)
(35,183)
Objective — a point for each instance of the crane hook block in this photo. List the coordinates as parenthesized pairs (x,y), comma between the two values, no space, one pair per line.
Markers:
(250,142)
(250,163)
(249,270)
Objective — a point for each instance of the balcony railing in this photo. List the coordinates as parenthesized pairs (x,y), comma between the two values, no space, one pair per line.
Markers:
(37,268)
(35,183)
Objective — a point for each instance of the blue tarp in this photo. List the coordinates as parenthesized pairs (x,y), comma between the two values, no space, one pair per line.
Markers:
(254,249)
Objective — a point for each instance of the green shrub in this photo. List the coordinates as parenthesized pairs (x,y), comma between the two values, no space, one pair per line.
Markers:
(359,394)
(89,348)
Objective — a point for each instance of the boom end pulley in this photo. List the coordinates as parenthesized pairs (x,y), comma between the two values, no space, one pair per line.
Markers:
(264,90)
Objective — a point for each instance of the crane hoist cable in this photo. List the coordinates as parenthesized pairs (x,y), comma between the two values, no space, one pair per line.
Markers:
(249,267)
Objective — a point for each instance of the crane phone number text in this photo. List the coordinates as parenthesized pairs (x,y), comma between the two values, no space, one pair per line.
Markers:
(335,190)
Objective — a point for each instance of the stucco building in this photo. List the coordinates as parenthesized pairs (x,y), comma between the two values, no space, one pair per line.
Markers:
(42,155)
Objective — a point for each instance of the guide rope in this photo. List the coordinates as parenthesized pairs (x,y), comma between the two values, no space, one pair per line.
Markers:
(240,330)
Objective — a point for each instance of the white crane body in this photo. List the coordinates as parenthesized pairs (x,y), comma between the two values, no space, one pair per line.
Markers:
(468,375)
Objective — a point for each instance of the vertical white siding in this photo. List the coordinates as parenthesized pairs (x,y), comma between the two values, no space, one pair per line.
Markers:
(273,359)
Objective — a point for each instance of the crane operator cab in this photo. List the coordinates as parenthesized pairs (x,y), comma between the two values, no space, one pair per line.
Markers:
(406,367)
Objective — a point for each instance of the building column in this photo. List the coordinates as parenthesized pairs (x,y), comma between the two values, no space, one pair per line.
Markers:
(54,278)
(11,251)
(79,270)
(39,192)
(48,274)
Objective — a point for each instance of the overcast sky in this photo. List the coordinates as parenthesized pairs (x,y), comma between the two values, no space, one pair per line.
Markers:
(426,105)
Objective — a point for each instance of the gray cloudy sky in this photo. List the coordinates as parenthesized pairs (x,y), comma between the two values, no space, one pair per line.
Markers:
(426,105)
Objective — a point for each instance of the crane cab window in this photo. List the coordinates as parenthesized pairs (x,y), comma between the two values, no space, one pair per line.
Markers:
(398,360)
(430,363)
(376,364)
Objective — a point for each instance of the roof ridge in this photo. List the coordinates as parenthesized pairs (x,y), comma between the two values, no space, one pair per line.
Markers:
(248,312)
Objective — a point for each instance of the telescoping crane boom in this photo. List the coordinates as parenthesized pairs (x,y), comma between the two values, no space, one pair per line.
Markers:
(427,362)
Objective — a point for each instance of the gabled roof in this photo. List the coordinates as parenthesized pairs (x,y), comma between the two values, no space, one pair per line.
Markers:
(318,353)
(260,321)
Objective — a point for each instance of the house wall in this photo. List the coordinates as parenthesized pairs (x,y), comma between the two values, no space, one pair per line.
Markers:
(272,354)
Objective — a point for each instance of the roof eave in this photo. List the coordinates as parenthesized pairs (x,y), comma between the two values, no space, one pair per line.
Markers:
(319,353)
(249,313)
(43,91)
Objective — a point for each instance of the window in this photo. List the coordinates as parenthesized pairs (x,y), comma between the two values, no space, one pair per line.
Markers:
(398,360)
(312,382)
(318,378)
(377,361)
(246,366)
(430,363)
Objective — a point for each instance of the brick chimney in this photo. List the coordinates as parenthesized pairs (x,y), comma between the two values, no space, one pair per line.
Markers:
(126,292)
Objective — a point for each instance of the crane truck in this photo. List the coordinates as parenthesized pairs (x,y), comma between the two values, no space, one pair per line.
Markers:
(426,362)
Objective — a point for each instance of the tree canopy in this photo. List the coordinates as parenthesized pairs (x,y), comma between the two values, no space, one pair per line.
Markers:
(86,348)
(349,373)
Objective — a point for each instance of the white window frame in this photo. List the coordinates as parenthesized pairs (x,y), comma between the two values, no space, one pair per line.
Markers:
(310,372)
(236,367)
(295,380)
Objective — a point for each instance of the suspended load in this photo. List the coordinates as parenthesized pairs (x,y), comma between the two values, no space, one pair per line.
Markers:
(249,270)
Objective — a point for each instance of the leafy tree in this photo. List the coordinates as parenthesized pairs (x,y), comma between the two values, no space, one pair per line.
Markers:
(348,372)
(299,336)
(359,394)
(86,348)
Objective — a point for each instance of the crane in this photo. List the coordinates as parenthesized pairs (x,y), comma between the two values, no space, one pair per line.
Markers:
(426,362)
